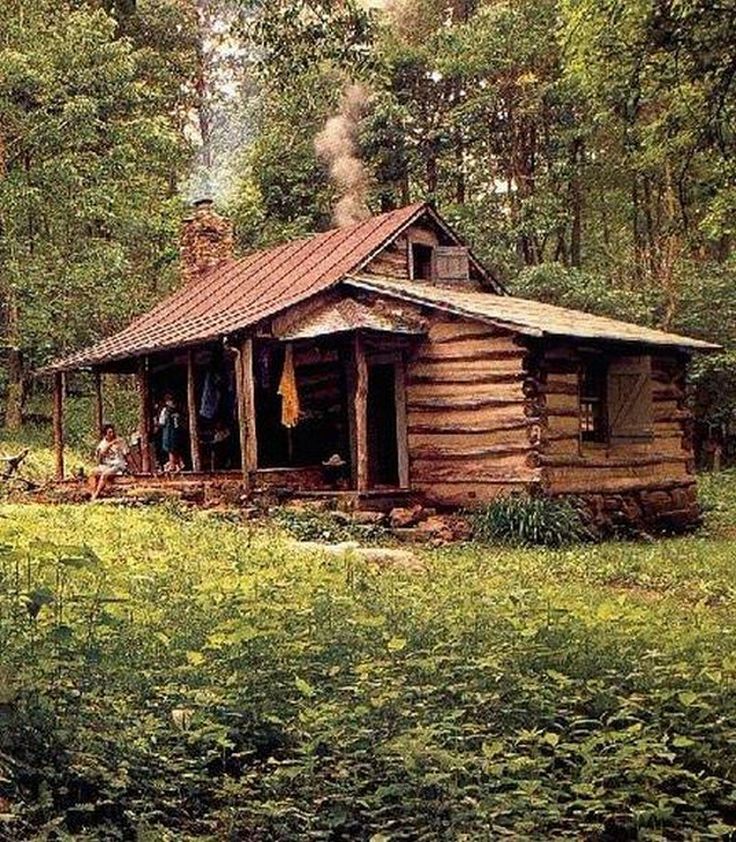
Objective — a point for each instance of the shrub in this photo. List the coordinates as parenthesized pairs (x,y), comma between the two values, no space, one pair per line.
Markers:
(522,520)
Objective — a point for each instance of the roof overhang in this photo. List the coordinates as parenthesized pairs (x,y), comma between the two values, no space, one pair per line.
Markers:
(528,317)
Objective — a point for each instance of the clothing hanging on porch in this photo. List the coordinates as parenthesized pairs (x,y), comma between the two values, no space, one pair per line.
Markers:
(288,391)
(211,396)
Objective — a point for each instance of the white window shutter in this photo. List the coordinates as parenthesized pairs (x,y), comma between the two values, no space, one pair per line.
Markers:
(451,263)
(630,398)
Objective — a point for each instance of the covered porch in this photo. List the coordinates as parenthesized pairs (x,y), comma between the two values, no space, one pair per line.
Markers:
(347,438)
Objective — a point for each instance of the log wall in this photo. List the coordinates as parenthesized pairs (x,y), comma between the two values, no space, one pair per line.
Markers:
(471,427)
(650,482)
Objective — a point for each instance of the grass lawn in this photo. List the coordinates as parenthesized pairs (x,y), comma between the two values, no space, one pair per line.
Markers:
(165,674)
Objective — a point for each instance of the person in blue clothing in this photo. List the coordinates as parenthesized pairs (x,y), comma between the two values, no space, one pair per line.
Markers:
(169,420)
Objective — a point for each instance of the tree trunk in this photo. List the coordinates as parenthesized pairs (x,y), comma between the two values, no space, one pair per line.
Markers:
(15,397)
(576,203)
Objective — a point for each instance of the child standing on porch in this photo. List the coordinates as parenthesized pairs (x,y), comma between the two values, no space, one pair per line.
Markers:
(169,421)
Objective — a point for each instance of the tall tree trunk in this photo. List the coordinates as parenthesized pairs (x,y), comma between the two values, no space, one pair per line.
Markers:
(669,251)
(639,249)
(652,230)
(16,376)
(430,169)
(459,168)
(576,202)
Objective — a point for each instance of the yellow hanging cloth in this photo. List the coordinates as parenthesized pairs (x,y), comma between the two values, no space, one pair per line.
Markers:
(288,391)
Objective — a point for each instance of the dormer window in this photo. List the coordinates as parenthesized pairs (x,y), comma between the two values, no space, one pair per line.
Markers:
(422,262)
(452,264)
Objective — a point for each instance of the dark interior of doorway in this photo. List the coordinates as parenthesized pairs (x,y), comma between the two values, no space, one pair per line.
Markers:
(383,454)
(322,430)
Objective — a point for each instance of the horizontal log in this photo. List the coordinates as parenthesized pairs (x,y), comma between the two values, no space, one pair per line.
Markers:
(559,388)
(488,416)
(430,368)
(392,268)
(459,391)
(453,403)
(439,429)
(560,412)
(618,461)
(456,375)
(616,485)
(669,414)
(557,401)
(462,355)
(440,454)
(477,336)
(484,475)
(563,435)
(469,495)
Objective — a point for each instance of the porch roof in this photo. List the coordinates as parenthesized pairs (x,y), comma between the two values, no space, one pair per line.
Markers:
(525,316)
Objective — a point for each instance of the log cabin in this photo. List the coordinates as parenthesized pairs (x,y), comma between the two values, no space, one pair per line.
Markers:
(409,374)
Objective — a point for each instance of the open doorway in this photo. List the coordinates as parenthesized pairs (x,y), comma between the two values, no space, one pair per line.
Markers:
(383,450)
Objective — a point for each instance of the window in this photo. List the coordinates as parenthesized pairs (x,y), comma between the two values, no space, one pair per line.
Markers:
(422,262)
(616,399)
(452,263)
(593,400)
(630,398)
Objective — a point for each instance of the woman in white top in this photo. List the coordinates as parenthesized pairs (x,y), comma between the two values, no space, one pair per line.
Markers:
(111,455)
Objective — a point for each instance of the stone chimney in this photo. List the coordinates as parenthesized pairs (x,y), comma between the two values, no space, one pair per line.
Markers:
(206,240)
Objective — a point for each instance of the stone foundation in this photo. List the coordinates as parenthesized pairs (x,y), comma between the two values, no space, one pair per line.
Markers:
(664,509)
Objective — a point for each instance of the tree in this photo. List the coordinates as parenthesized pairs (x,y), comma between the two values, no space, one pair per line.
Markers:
(93,145)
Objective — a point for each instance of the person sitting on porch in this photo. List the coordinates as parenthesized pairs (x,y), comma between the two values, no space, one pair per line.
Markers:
(111,454)
(169,421)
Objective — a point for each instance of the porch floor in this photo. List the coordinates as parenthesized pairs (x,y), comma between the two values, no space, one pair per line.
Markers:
(206,488)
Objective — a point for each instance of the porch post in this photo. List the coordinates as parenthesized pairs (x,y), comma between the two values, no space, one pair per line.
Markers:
(144,421)
(246,410)
(193,417)
(58,423)
(99,407)
(361,414)
(401,426)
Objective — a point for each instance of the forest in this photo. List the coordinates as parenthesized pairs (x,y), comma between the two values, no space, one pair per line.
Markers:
(584,149)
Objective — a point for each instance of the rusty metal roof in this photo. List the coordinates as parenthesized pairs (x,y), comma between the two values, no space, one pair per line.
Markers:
(345,315)
(239,293)
(525,316)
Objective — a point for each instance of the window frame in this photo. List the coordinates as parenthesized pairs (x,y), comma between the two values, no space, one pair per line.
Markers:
(599,432)
(413,262)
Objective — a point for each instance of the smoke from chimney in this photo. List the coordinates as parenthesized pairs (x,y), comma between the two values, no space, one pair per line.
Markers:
(336,146)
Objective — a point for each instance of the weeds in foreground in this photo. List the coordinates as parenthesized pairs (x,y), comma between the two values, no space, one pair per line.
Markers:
(196,679)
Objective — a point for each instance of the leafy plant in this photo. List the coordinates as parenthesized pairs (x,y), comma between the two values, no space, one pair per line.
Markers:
(328,526)
(523,520)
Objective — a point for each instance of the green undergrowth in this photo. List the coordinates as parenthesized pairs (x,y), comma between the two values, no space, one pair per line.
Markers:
(178,677)
(521,520)
(327,526)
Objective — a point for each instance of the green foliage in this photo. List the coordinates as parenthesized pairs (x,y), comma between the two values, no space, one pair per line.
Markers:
(191,678)
(92,143)
(326,526)
(582,290)
(522,520)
